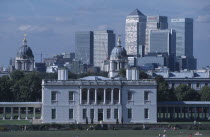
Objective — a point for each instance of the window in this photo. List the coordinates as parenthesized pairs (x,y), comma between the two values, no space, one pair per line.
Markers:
(197,85)
(53,96)
(108,113)
(71,113)
(206,84)
(172,85)
(53,113)
(146,95)
(84,113)
(146,113)
(116,113)
(92,113)
(130,113)
(130,96)
(71,96)
(189,85)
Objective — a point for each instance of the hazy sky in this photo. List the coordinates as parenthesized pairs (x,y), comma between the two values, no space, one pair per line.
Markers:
(50,24)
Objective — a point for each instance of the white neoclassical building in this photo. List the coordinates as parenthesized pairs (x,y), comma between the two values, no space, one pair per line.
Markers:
(96,99)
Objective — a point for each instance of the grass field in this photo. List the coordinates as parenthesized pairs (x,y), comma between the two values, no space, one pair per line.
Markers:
(108,133)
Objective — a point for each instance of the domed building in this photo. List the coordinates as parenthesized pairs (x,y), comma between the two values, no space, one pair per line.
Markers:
(118,60)
(24,59)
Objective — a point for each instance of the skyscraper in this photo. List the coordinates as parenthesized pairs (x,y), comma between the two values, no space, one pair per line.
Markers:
(184,36)
(162,41)
(134,32)
(84,46)
(154,23)
(104,42)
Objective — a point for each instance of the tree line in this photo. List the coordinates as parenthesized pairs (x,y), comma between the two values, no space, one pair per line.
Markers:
(26,86)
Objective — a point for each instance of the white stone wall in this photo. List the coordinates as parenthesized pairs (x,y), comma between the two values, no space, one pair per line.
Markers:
(62,105)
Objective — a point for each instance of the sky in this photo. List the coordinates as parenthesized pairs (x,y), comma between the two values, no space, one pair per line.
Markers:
(50,25)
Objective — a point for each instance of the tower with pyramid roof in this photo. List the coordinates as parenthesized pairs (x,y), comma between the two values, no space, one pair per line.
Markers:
(135,28)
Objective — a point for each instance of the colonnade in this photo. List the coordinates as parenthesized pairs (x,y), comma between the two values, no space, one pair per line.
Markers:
(188,112)
(109,95)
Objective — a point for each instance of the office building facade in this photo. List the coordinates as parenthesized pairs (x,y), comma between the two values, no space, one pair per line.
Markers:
(162,41)
(84,46)
(154,23)
(134,32)
(104,42)
(184,36)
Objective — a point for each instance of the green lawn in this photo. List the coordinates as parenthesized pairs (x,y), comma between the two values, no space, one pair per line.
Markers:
(108,133)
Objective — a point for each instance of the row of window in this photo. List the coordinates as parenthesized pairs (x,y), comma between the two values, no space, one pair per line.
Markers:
(198,85)
(100,111)
(71,96)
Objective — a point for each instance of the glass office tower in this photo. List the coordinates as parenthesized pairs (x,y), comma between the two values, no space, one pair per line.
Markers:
(184,36)
(84,46)
(154,23)
(104,42)
(134,32)
(162,41)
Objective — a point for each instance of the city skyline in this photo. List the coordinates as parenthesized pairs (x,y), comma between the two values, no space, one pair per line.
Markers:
(52,31)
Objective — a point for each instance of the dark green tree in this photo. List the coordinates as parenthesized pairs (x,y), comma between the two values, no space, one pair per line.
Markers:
(163,91)
(205,93)
(122,73)
(184,93)
(5,90)
(143,75)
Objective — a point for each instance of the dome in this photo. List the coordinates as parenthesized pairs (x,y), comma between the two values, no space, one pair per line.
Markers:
(118,52)
(24,51)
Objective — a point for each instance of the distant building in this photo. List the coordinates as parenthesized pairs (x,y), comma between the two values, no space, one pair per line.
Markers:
(104,42)
(24,60)
(154,23)
(186,63)
(40,67)
(84,46)
(135,27)
(162,41)
(184,36)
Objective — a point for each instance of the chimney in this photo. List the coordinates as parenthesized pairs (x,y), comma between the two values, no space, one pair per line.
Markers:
(62,74)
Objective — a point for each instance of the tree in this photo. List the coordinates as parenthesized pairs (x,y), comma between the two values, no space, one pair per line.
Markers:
(163,91)
(5,90)
(143,75)
(122,73)
(205,93)
(184,93)
(16,75)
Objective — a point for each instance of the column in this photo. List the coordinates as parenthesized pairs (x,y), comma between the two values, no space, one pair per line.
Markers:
(26,113)
(119,96)
(195,110)
(95,95)
(104,96)
(4,113)
(11,114)
(18,113)
(181,113)
(166,112)
(112,96)
(80,96)
(34,111)
(88,96)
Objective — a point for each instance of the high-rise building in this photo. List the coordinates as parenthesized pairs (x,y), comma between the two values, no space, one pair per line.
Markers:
(154,23)
(104,42)
(134,32)
(84,46)
(162,41)
(184,36)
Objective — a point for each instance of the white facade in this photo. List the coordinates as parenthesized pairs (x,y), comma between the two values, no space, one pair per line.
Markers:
(76,101)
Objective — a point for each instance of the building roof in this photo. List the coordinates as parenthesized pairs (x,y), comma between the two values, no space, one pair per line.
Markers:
(184,102)
(95,78)
(136,12)
(20,103)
